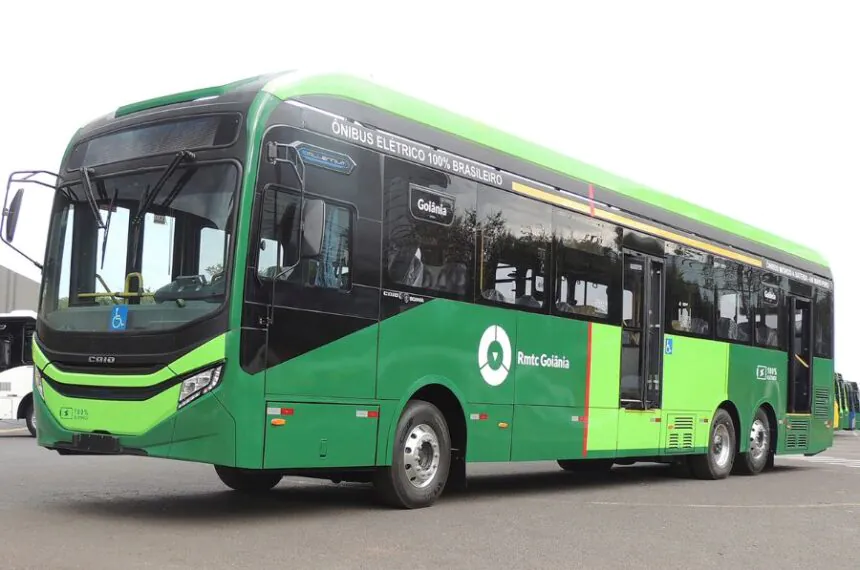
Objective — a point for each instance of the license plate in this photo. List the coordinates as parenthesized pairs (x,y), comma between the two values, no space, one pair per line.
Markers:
(96,442)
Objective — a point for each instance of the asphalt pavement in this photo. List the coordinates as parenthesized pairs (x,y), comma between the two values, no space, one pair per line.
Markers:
(133,513)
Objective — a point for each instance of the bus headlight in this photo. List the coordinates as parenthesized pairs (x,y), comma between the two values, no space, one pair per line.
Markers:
(37,381)
(199,384)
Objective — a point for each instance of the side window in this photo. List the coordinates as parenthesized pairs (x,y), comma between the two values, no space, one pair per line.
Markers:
(305,244)
(213,252)
(429,231)
(279,232)
(689,293)
(769,332)
(587,267)
(823,318)
(733,284)
(514,244)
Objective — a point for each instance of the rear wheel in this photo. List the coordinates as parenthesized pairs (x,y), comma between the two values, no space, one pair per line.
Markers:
(247,480)
(756,459)
(421,459)
(718,461)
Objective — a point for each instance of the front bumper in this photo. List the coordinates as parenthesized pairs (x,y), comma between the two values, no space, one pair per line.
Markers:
(204,431)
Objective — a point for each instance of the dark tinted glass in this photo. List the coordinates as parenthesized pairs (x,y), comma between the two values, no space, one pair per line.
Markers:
(823,323)
(689,293)
(429,229)
(588,267)
(770,313)
(733,283)
(514,242)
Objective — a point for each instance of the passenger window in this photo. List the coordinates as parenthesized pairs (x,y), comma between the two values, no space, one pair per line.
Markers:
(429,221)
(733,289)
(823,320)
(588,266)
(689,293)
(514,244)
(769,331)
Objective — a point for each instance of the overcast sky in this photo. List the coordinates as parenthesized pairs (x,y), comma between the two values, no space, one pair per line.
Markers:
(748,108)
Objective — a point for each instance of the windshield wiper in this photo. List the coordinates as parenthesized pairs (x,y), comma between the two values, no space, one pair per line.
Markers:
(87,183)
(149,197)
(107,225)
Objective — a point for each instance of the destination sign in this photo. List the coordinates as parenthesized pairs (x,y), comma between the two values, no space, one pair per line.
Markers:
(796,274)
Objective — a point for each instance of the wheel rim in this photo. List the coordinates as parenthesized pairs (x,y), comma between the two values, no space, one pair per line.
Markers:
(421,456)
(759,443)
(721,446)
(33,418)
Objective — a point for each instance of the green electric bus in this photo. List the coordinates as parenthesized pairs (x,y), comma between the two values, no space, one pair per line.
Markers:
(316,275)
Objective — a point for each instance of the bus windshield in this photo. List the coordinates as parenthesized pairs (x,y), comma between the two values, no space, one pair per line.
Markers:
(155,271)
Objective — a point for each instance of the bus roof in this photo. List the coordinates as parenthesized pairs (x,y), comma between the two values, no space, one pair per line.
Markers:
(295,84)
(19,314)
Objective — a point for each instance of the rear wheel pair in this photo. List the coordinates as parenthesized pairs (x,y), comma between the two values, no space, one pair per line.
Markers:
(722,457)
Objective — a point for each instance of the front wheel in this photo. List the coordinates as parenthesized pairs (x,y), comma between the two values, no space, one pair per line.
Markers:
(718,461)
(247,480)
(30,418)
(421,459)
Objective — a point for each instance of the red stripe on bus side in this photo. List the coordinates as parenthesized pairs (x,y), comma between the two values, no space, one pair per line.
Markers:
(587,393)
(591,203)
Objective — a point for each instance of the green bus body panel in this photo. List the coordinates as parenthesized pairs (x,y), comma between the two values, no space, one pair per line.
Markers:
(604,390)
(758,376)
(115,416)
(358,89)
(639,431)
(320,435)
(821,436)
(695,375)
(345,368)
(245,399)
(547,432)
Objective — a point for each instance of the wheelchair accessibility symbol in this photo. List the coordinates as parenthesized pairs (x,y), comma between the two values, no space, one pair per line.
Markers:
(119,318)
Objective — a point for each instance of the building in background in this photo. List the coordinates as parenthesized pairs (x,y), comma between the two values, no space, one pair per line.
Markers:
(17,292)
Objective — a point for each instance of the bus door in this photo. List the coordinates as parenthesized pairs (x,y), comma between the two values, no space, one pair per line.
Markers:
(800,355)
(639,418)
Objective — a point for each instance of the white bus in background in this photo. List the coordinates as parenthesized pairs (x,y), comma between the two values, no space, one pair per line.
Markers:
(16,367)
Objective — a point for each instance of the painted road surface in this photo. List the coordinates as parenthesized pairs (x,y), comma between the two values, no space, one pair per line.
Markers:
(133,513)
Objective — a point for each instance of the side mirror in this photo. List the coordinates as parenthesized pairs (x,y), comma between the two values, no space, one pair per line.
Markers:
(11,216)
(313,227)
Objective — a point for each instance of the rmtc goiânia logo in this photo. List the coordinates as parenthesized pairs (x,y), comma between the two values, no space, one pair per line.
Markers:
(494,355)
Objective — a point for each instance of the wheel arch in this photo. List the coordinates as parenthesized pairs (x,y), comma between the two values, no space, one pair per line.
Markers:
(772,420)
(732,410)
(22,406)
(445,395)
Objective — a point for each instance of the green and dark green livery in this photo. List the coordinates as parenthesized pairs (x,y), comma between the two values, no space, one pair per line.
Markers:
(360,286)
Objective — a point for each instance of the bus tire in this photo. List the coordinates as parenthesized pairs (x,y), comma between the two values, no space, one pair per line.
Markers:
(717,463)
(248,480)
(421,459)
(756,459)
(30,417)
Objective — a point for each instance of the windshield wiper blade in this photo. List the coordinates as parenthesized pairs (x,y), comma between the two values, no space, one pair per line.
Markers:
(87,183)
(148,198)
(107,225)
